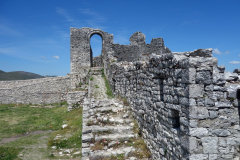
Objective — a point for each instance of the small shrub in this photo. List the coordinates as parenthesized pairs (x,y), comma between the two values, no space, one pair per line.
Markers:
(102,70)
(89,123)
(64,103)
(231,99)
(91,78)
(96,86)
(109,90)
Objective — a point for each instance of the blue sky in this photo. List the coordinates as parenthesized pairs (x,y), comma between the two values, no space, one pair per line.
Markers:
(35,34)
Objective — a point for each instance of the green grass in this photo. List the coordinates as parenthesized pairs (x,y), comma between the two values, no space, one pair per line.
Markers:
(8,153)
(74,121)
(15,120)
(109,90)
(19,119)
(91,78)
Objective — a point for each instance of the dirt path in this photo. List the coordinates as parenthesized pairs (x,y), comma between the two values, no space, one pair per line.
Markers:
(98,89)
(14,138)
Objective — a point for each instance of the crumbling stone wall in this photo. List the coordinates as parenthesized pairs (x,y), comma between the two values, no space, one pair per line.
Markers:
(181,103)
(138,49)
(75,99)
(37,91)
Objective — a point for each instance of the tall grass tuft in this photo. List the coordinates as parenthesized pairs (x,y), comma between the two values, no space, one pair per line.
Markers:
(109,90)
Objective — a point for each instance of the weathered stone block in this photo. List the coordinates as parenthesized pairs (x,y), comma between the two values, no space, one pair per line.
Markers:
(215,95)
(202,61)
(189,75)
(209,102)
(210,144)
(193,145)
(213,156)
(213,114)
(218,78)
(201,53)
(198,157)
(230,76)
(198,112)
(209,88)
(193,123)
(223,104)
(204,77)
(195,90)
(184,101)
(221,69)
(192,102)
(198,132)
(221,132)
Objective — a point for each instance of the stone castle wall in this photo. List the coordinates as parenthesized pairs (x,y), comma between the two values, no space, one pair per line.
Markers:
(182,103)
(19,83)
(36,91)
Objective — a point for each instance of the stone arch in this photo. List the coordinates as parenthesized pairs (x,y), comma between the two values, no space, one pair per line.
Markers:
(95,31)
(90,34)
(80,47)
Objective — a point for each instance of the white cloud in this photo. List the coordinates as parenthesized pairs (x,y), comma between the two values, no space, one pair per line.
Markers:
(43,57)
(64,14)
(95,18)
(4,30)
(234,62)
(57,57)
(216,51)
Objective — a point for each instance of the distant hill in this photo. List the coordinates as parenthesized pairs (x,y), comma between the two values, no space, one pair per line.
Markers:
(18,75)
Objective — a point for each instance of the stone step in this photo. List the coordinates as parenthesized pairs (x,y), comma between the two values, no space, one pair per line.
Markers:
(109,109)
(115,137)
(101,154)
(110,129)
(104,121)
(87,137)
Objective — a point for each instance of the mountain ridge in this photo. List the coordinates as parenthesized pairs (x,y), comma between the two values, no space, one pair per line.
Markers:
(18,75)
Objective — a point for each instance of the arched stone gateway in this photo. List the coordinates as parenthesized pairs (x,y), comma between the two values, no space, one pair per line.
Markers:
(81,54)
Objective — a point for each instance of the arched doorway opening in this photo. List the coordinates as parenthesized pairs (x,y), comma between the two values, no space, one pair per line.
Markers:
(96,50)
